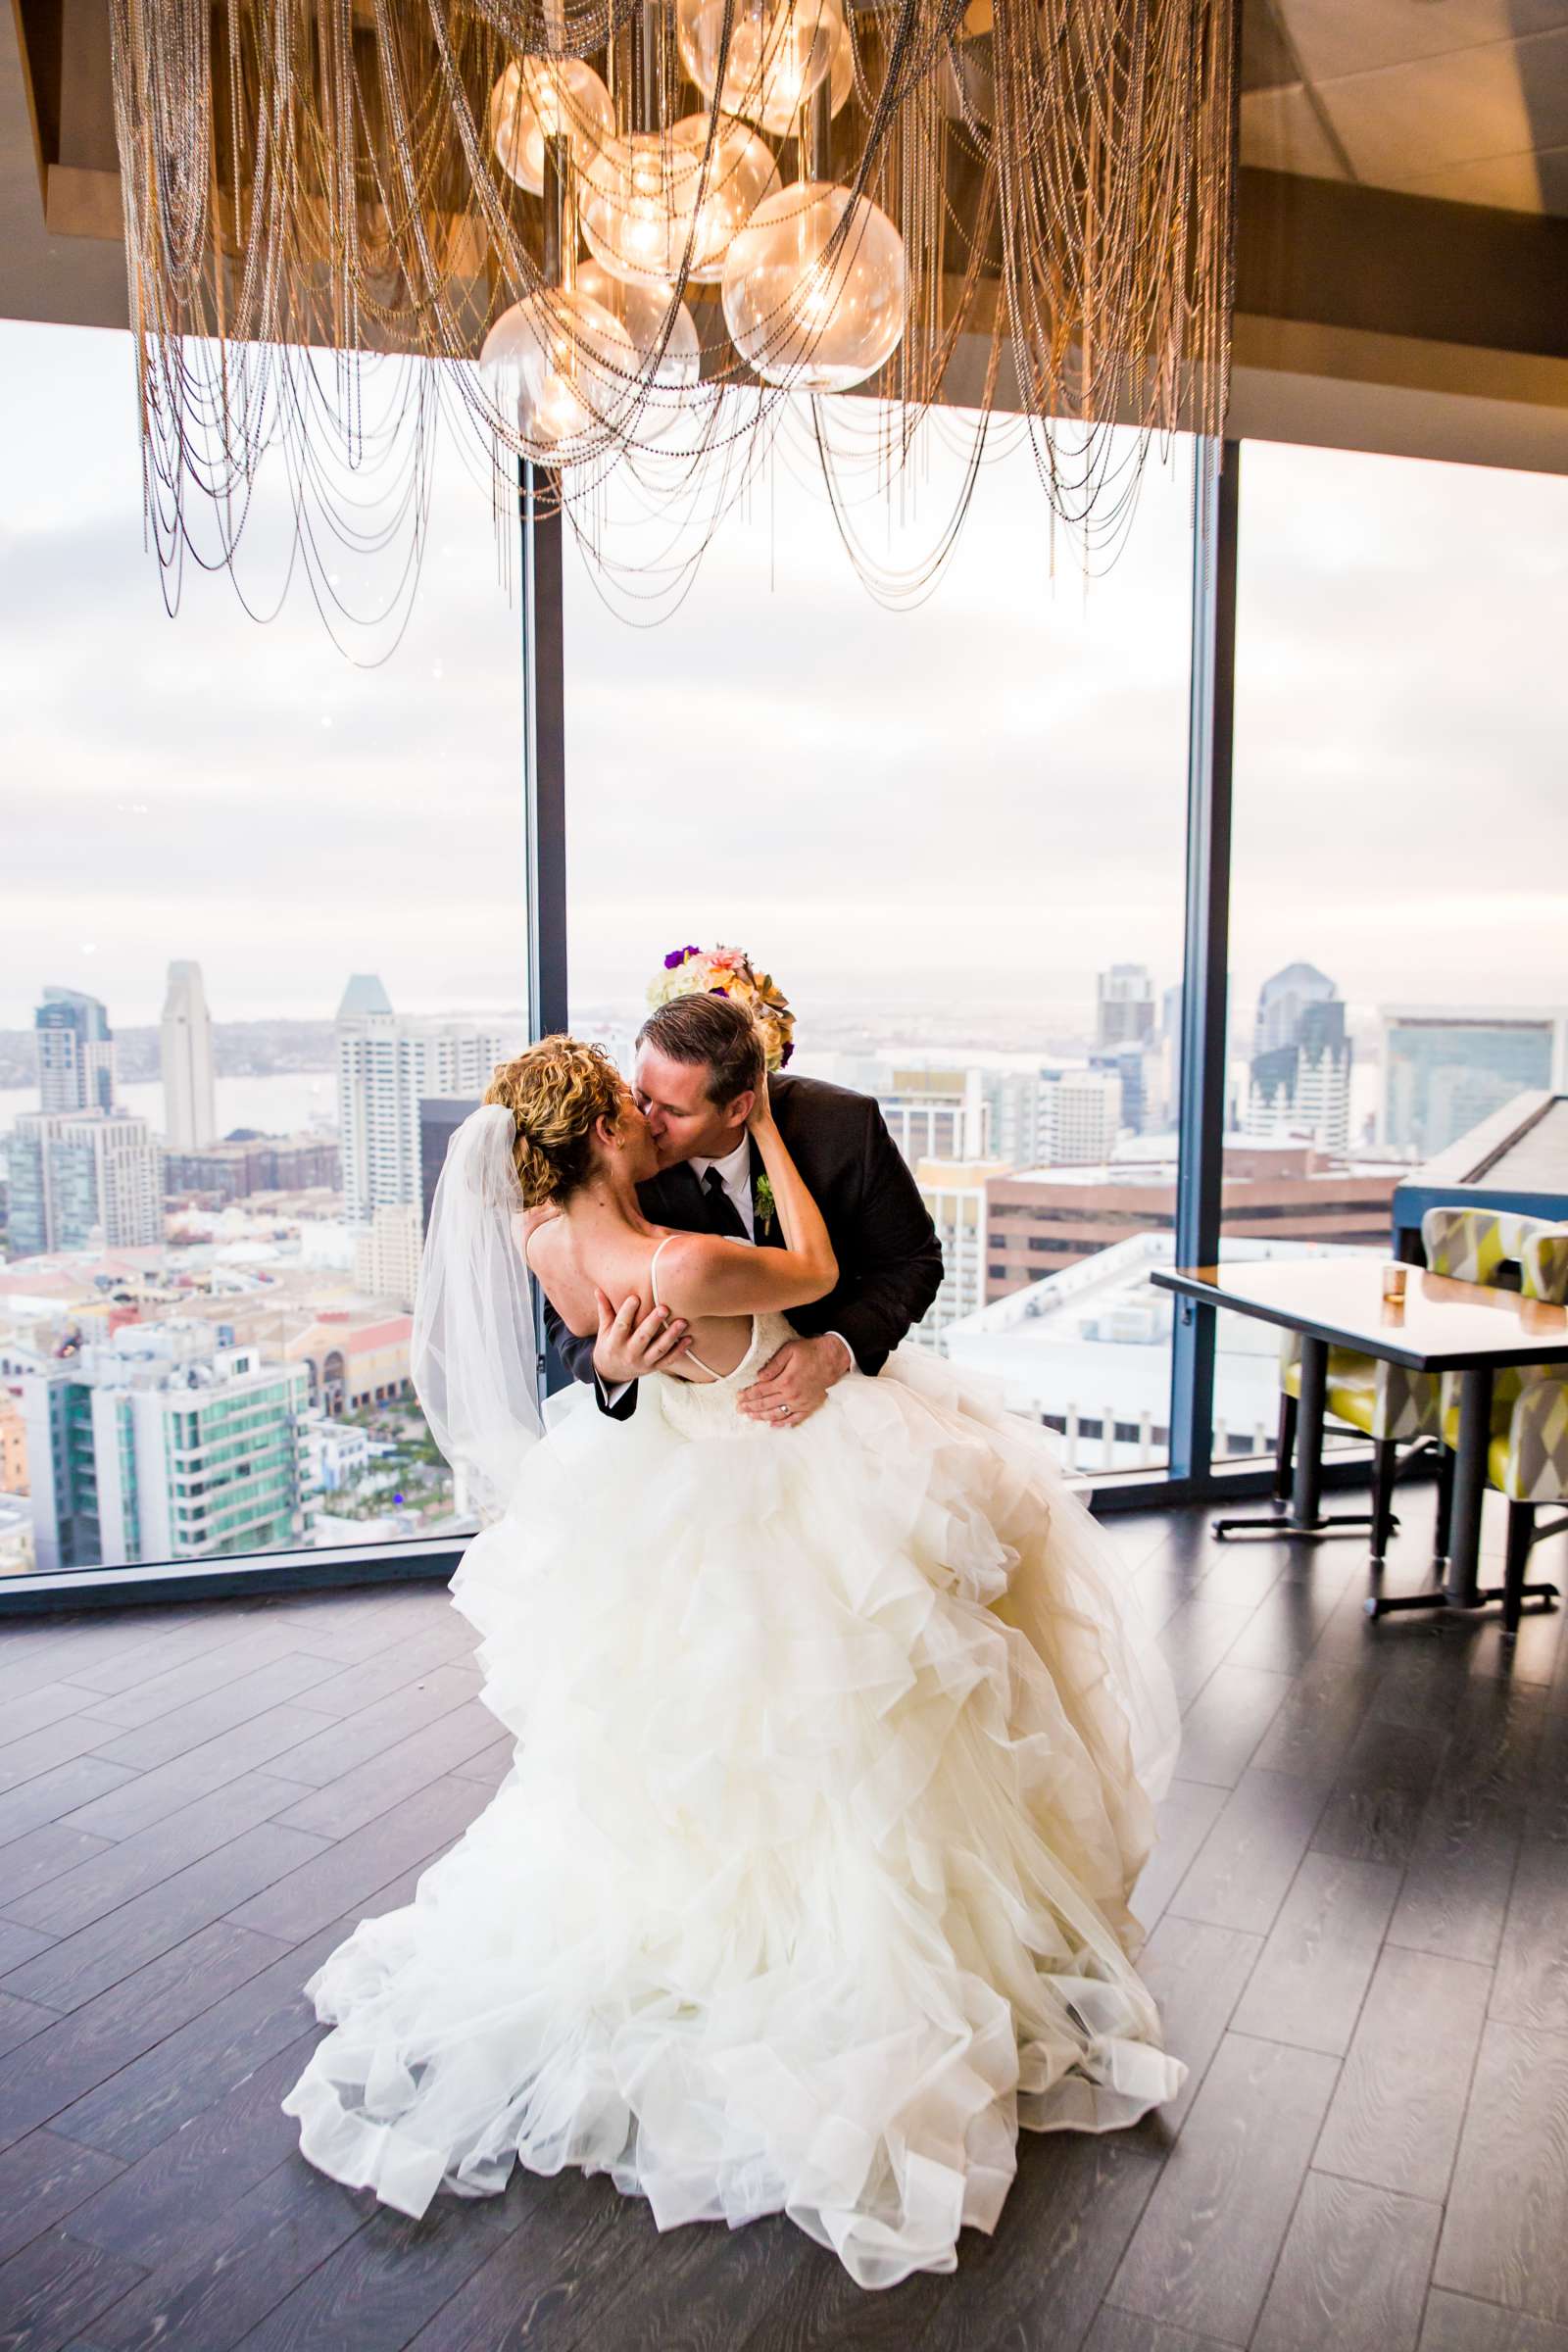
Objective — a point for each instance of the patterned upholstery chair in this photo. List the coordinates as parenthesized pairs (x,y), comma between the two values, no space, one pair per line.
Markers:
(1527,1459)
(1388,1404)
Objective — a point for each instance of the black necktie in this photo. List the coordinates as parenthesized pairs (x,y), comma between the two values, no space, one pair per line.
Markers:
(722,1214)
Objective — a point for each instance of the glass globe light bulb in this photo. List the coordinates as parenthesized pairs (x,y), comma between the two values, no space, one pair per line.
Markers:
(646,201)
(561,369)
(547,97)
(801,317)
(779,50)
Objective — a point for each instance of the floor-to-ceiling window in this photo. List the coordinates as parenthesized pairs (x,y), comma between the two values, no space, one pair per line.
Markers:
(260,903)
(954,835)
(1398,902)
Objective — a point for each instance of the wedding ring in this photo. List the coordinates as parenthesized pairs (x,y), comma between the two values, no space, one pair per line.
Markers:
(784,1412)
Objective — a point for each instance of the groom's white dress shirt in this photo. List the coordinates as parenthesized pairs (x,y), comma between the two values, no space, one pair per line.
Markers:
(735,1174)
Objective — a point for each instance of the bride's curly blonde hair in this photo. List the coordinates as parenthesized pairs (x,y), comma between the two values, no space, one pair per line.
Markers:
(555,1090)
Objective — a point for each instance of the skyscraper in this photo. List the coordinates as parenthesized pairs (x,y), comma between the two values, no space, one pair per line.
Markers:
(74,1172)
(386,1064)
(1299,1080)
(1124,1012)
(75,1052)
(190,1101)
(1447,1069)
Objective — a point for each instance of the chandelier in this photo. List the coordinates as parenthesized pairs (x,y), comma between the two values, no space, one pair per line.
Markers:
(623,239)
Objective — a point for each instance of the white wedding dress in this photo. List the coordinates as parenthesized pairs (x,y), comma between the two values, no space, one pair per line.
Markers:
(836,1751)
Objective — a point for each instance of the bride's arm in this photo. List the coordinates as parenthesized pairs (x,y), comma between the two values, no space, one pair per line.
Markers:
(703,1275)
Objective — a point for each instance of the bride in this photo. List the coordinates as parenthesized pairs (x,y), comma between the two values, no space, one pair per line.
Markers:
(835,1763)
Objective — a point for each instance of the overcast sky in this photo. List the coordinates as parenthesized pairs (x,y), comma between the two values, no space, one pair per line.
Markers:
(980,800)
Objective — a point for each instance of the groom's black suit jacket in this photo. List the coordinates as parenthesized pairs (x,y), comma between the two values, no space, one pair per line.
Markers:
(890,1261)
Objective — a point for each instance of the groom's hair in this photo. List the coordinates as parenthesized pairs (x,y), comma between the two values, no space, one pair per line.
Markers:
(712,1029)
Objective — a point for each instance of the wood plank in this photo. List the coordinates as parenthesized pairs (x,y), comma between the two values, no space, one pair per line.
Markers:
(1285,1629)
(294,1902)
(1196,1637)
(211,1669)
(1205,2251)
(1183,1820)
(55,2287)
(1352,2272)
(491,1765)
(80,1966)
(369,1680)
(152,1796)
(50,1703)
(1380,1790)
(395,1775)
(1457,1879)
(20,2020)
(1245,1866)
(48,1795)
(73,1898)
(233,2263)
(195,2068)
(1313,1971)
(1454,2323)
(1226,1722)
(217,2157)
(50,2070)
(547,2283)
(1315,1728)
(1505,2236)
(1395,2117)
(55,1744)
(341,1745)
(386,2279)
(42,2179)
(42,1856)
(183,1728)
(1532,1983)
(1130,2332)
(1196,1973)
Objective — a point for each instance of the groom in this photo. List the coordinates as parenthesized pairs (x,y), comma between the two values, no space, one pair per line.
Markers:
(689,1079)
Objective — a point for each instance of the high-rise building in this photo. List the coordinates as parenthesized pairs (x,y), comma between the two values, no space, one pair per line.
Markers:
(1298,1082)
(386,1254)
(75,1052)
(160,1445)
(1282,1001)
(954,1193)
(75,1173)
(1445,1070)
(937,1113)
(385,1065)
(13,1448)
(1124,1009)
(185,1046)
(1135,1070)
(1079,1111)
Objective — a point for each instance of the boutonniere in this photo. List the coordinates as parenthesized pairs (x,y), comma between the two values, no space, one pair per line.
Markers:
(767,1208)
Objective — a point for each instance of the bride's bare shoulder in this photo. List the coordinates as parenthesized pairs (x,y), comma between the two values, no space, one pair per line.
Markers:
(529,1223)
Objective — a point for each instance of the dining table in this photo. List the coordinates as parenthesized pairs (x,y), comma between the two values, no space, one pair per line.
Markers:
(1474,1329)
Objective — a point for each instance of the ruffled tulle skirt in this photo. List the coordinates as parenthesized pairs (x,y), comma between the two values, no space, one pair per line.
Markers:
(836,1757)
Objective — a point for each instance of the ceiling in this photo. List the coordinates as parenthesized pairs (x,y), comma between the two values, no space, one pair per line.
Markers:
(1402,262)
(1466,100)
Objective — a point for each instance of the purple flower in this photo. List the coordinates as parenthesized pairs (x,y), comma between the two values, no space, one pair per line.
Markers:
(677,957)
(719,992)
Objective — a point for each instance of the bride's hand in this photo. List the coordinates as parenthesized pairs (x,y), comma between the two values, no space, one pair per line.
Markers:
(761,1111)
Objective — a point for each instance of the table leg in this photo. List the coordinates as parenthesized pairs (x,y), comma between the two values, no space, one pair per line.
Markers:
(1306,1491)
(1469,1487)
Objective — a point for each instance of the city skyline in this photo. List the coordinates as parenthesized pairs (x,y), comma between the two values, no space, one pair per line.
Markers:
(788,783)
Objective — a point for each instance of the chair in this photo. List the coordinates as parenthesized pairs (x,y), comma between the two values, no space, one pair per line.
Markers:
(1388,1404)
(1527,1458)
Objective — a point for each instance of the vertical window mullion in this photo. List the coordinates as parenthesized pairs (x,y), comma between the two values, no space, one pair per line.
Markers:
(1206,944)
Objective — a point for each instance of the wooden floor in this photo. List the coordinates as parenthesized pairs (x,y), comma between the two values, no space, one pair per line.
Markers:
(1359,1914)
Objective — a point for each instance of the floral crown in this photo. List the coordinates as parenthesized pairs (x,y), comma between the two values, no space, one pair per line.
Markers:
(729,972)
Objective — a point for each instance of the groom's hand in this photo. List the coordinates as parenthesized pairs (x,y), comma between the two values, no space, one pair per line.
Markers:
(797,1377)
(625,1348)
